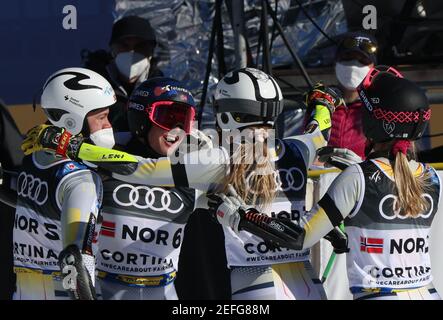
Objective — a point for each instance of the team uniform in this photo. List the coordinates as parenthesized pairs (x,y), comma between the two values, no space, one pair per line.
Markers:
(245,98)
(140,238)
(389,253)
(250,258)
(48,187)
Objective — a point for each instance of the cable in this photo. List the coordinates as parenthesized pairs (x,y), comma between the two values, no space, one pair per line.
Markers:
(215,24)
(314,23)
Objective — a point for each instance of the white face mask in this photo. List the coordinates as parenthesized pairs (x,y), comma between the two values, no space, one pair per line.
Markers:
(103,138)
(132,65)
(351,73)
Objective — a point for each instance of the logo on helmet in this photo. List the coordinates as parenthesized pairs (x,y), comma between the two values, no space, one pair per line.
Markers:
(141,93)
(375,100)
(69,123)
(158,91)
(389,127)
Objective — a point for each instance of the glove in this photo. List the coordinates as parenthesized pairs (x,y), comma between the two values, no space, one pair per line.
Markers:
(77,279)
(338,157)
(54,138)
(226,210)
(338,240)
(321,102)
(276,232)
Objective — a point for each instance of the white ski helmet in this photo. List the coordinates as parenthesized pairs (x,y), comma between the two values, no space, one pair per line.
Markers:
(70,94)
(246,97)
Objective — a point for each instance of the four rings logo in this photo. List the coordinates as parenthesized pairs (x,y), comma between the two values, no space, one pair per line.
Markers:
(32,188)
(289,179)
(143,197)
(388,212)
(285,179)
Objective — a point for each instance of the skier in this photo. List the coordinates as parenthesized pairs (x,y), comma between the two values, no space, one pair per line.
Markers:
(59,199)
(143,226)
(247,100)
(387,202)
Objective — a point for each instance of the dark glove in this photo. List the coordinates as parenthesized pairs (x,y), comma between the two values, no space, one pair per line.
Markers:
(321,102)
(338,240)
(76,278)
(54,138)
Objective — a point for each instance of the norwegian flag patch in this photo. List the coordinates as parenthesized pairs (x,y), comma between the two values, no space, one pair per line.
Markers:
(371,245)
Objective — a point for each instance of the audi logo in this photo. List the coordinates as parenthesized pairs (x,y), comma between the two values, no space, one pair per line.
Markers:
(289,179)
(143,197)
(32,188)
(396,213)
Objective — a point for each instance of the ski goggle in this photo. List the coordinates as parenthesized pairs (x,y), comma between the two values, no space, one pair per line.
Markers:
(372,74)
(362,43)
(170,114)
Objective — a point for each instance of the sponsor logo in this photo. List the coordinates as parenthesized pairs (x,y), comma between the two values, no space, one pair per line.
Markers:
(32,188)
(388,212)
(141,93)
(376,176)
(389,127)
(371,245)
(276,226)
(290,179)
(108,91)
(74,83)
(365,100)
(168,88)
(28,253)
(400,272)
(136,259)
(112,156)
(286,179)
(143,197)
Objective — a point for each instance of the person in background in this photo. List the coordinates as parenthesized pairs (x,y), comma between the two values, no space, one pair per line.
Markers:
(356,55)
(129,63)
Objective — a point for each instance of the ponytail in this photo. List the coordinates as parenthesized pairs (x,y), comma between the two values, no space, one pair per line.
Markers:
(252,173)
(410,188)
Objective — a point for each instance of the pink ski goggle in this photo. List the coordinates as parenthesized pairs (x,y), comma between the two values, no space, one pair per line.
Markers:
(170,114)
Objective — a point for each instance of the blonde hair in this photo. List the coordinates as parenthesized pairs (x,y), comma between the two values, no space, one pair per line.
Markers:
(252,173)
(410,188)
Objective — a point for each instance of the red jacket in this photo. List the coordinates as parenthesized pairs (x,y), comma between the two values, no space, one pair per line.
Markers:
(347,128)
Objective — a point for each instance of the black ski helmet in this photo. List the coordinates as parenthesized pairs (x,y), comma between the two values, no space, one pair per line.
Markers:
(161,91)
(395,108)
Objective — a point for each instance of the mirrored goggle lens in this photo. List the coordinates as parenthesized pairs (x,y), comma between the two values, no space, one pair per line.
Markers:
(365,45)
(169,115)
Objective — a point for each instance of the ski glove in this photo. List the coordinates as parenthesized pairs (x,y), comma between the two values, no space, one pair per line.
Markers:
(338,157)
(54,138)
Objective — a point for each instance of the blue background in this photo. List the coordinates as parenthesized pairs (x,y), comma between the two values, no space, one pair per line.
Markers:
(34,44)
